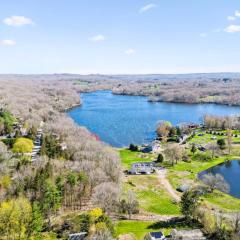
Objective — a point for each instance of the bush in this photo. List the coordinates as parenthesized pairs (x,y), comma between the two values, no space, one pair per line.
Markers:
(221,143)
(23,145)
(160,158)
(205,157)
(133,148)
(9,142)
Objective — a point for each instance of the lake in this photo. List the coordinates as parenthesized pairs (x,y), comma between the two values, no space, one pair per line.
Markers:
(120,120)
(231,173)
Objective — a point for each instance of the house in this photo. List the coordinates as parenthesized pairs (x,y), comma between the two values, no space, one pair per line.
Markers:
(154,147)
(77,236)
(155,236)
(147,149)
(142,168)
(195,234)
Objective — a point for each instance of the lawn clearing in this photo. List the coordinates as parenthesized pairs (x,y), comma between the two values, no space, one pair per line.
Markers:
(151,195)
(129,157)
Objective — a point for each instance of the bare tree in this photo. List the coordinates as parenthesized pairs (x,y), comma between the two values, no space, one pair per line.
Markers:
(229,140)
(129,203)
(163,129)
(103,234)
(213,148)
(106,196)
(216,182)
(173,153)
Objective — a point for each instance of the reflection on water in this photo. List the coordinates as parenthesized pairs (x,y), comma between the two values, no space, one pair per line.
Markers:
(121,120)
(231,173)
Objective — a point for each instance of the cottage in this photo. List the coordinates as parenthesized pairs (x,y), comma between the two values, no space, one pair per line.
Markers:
(155,236)
(142,168)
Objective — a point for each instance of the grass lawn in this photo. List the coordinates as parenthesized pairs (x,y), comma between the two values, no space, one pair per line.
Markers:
(151,195)
(194,167)
(224,201)
(139,229)
(207,138)
(183,172)
(128,157)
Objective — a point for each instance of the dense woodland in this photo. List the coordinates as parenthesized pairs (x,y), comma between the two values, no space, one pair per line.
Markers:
(72,168)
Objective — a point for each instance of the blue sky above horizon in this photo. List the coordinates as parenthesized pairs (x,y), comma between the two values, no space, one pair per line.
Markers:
(124,36)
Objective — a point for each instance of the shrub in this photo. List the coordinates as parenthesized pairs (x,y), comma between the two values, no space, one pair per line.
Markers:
(205,157)
(160,158)
(221,143)
(23,145)
(133,147)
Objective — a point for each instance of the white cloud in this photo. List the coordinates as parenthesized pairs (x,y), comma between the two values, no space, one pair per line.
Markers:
(147,7)
(130,51)
(18,21)
(203,35)
(237,13)
(232,29)
(7,42)
(231,18)
(97,38)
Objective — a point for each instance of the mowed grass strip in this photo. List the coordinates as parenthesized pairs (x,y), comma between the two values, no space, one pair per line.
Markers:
(137,228)
(128,157)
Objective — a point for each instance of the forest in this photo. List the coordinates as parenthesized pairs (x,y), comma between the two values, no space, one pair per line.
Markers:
(72,171)
(76,182)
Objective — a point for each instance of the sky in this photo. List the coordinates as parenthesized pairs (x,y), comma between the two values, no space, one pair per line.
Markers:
(119,36)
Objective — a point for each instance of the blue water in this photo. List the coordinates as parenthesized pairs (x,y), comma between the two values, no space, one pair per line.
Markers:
(231,173)
(121,120)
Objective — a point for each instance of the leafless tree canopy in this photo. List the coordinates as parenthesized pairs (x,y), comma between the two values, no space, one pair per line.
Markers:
(33,99)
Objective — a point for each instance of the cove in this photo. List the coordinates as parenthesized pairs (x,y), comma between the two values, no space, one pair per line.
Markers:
(120,120)
(231,172)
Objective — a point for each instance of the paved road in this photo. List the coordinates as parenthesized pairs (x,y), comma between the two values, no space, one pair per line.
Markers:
(37,143)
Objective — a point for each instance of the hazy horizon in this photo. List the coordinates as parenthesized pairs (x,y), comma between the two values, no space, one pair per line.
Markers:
(120,37)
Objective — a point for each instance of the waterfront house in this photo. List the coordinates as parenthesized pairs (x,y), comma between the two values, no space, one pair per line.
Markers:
(142,168)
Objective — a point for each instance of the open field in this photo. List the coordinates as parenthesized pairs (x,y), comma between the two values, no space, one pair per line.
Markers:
(153,197)
(128,157)
(139,229)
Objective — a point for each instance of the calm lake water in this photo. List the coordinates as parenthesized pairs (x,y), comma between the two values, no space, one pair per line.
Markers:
(231,173)
(121,120)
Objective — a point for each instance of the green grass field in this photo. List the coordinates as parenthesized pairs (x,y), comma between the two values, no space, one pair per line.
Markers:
(138,229)
(207,138)
(151,195)
(128,157)
(153,198)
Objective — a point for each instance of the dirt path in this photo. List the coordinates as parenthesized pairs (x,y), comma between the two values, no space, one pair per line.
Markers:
(151,217)
(165,183)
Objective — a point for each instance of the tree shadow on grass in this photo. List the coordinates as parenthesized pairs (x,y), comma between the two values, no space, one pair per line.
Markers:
(175,223)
